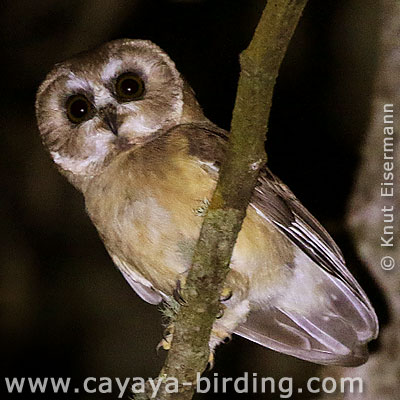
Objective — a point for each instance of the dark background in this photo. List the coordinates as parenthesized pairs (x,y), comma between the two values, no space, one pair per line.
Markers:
(65,309)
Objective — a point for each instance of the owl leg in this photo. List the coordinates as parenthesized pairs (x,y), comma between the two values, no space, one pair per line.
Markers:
(234,308)
(168,333)
(225,325)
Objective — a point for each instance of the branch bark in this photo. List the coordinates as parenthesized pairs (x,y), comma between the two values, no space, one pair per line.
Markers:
(245,156)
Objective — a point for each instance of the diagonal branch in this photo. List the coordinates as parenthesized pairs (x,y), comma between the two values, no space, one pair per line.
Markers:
(245,157)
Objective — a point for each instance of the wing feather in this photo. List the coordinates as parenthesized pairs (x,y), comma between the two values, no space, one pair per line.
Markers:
(323,315)
(277,204)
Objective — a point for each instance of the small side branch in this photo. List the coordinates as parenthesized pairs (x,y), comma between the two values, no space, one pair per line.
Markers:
(245,156)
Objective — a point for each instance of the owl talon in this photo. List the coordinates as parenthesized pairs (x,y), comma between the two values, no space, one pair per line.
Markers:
(211,361)
(227,339)
(226,294)
(166,341)
(220,312)
(177,293)
(165,344)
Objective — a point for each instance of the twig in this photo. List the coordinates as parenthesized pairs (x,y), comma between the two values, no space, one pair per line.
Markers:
(245,157)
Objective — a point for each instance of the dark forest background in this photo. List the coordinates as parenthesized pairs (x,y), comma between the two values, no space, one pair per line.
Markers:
(65,309)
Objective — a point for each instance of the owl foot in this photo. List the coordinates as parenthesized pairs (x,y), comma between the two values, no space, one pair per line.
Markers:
(166,341)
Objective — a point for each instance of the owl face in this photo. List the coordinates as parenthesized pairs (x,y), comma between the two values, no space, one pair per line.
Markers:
(106,101)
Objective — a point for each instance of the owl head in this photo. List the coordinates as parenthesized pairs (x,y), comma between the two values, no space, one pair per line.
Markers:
(109,100)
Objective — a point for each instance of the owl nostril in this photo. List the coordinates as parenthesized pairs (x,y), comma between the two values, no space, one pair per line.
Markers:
(109,116)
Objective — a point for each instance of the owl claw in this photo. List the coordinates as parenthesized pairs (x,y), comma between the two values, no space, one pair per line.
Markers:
(177,293)
(222,335)
(211,361)
(221,311)
(166,341)
(165,344)
(227,339)
(226,294)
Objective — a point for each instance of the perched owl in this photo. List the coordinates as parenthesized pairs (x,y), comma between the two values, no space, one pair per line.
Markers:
(126,130)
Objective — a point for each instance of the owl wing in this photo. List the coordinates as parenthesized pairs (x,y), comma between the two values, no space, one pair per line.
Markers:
(322,314)
(143,288)
(147,293)
(277,203)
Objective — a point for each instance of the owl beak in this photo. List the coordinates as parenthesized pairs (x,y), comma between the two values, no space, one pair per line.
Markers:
(109,116)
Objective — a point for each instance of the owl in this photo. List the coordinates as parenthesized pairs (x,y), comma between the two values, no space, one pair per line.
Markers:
(124,127)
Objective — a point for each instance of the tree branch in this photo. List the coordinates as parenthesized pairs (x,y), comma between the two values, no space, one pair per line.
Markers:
(245,157)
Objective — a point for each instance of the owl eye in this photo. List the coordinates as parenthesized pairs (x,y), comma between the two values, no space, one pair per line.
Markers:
(79,108)
(129,86)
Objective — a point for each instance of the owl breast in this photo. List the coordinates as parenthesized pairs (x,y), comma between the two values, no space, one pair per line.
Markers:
(144,208)
(148,204)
